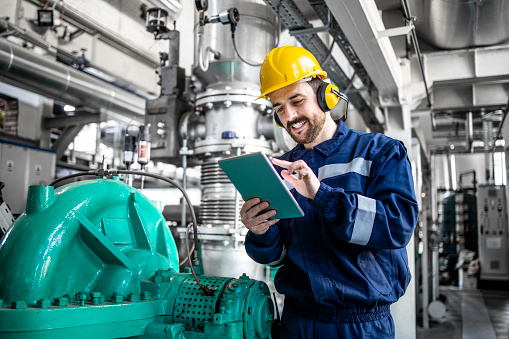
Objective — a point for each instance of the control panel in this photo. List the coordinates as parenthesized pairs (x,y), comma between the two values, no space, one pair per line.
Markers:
(493,232)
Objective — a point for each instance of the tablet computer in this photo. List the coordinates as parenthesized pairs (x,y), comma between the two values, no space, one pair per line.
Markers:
(254,177)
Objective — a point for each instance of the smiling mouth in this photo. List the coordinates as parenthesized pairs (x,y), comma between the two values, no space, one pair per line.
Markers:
(298,124)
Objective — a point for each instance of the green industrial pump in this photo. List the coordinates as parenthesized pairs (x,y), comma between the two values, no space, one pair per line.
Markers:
(95,259)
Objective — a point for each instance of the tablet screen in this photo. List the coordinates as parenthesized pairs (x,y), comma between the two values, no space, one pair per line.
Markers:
(254,177)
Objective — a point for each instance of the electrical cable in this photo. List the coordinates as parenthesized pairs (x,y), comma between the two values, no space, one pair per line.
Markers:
(187,245)
(74,175)
(238,54)
(415,42)
(207,290)
(194,261)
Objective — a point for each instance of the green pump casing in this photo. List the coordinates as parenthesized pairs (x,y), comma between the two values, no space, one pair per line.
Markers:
(97,258)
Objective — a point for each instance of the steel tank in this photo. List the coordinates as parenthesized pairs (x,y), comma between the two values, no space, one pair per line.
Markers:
(453,24)
(232,123)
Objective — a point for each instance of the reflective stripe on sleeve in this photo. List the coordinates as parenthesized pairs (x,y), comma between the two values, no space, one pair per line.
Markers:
(363,225)
(281,258)
(358,165)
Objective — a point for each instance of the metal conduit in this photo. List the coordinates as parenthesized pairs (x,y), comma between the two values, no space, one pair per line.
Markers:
(27,70)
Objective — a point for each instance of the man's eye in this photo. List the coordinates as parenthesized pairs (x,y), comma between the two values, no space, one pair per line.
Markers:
(298,102)
(279,110)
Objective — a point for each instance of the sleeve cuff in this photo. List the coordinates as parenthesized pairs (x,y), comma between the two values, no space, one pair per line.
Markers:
(266,237)
(322,196)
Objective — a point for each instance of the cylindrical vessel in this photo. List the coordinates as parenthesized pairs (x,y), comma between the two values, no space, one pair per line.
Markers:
(234,124)
(254,37)
(453,24)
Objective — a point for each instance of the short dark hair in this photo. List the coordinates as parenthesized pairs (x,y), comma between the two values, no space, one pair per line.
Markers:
(315,83)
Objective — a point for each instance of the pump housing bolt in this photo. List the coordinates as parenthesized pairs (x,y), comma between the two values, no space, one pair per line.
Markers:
(43,303)
(117,298)
(18,305)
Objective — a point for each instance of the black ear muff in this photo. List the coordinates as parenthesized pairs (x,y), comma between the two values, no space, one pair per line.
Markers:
(277,121)
(327,97)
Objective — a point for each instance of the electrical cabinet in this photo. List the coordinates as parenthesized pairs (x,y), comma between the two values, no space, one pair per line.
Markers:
(493,233)
(22,166)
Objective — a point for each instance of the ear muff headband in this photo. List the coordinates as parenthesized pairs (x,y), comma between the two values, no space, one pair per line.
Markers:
(328,96)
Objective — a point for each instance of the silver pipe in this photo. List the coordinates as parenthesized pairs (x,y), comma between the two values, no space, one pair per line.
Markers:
(415,43)
(425,273)
(487,126)
(432,237)
(10,28)
(35,73)
(184,180)
(435,282)
(451,174)
(126,47)
(469,127)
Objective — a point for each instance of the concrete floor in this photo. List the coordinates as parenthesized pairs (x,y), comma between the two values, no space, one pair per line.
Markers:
(471,314)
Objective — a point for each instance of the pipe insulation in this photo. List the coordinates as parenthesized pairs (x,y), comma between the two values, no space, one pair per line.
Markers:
(469,128)
(25,69)
(488,139)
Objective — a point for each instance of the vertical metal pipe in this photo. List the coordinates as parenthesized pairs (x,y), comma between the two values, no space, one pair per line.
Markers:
(434,273)
(425,273)
(450,175)
(487,126)
(97,143)
(236,216)
(184,180)
(433,236)
(469,132)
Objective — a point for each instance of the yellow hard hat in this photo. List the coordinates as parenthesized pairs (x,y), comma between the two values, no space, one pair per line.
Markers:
(286,65)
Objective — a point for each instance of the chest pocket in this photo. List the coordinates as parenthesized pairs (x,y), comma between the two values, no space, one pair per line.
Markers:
(373,272)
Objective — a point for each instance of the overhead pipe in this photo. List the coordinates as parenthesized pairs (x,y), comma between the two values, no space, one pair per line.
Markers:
(35,73)
(125,46)
(7,28)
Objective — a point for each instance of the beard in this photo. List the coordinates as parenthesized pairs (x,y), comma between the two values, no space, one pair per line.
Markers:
(314,127)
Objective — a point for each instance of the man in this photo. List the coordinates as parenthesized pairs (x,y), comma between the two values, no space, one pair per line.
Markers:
(344,262)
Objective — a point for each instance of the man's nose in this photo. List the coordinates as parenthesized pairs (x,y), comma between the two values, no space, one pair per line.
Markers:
(290,112)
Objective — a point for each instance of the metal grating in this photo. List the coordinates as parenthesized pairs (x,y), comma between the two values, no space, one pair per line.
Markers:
(340,38)
(192,307)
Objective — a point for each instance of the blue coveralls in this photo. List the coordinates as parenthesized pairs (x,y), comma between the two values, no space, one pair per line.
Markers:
(345,261)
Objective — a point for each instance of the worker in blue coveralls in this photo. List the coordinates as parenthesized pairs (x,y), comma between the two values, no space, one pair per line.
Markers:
(344,262)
